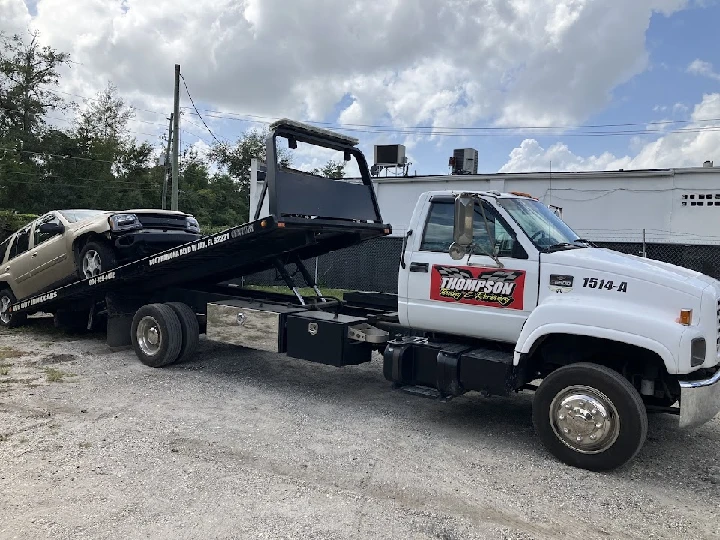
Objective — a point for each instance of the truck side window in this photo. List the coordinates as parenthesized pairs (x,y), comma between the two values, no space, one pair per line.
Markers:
(39,237)
(21,244)
(3,249)
(439,231)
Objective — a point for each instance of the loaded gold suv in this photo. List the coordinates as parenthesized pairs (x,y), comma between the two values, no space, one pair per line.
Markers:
(69,245)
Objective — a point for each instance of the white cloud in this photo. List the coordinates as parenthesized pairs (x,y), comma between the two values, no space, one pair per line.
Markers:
(688,146)
(449,62)
(700,67)
(15,17)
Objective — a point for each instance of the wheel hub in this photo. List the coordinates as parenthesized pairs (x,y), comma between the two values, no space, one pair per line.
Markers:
(92,264)
(4,305)
(148,335)
(584,419)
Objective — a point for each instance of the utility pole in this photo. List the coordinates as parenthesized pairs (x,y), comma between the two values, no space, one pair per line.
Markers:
(168,167)
(175,140)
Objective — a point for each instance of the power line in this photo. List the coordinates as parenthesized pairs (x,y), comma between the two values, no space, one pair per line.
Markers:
(96,99)
(39,177)
(269,119)
(57,155)
(187,90)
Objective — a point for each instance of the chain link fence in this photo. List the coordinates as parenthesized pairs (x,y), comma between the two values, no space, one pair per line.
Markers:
(373,265)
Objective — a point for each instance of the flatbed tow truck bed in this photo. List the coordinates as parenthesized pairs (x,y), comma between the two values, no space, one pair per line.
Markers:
(233,253)
(308,216)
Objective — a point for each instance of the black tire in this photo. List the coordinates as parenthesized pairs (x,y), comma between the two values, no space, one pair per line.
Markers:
(156,321)
(105,254)
(608,388)
(190,330)
(9,320)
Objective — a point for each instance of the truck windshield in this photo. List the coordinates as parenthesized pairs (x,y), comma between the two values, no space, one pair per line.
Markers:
(545,229)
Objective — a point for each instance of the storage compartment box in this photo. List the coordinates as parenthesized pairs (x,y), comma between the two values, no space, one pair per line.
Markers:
(254,325)
(322,337)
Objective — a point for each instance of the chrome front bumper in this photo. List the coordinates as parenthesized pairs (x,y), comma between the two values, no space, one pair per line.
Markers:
(699,401)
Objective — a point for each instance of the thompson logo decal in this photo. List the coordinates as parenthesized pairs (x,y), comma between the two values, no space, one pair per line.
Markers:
(478,286)
(561,284)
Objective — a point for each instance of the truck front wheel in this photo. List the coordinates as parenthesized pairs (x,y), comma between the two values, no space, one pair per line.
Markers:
(589,416)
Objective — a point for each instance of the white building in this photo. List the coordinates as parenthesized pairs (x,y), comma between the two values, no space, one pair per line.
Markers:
(679,206)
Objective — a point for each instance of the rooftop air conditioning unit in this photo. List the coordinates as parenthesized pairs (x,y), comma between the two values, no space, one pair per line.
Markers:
(464,161)
(390,155)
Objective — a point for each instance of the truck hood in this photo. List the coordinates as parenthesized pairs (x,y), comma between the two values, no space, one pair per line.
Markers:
(634,267)
(154,211)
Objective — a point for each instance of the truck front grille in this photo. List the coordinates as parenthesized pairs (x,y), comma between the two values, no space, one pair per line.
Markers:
(160,221)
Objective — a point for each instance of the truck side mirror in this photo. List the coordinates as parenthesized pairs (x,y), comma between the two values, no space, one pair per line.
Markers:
(464,214)
(463,229)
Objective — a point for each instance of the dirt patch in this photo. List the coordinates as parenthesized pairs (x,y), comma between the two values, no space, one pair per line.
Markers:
(8,352)
(52,359)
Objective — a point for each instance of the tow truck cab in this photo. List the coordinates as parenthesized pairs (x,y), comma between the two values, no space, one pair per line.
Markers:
(504,268)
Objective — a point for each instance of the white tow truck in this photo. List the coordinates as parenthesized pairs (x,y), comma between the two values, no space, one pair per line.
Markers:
(609,335)
(496,294)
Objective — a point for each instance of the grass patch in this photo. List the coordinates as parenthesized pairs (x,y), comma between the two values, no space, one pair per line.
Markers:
(8,352)
(85,445)
(4,370)
(55,375)
(305,291)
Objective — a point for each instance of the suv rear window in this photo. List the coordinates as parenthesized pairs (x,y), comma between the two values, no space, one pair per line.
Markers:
(3,249)
(21,244)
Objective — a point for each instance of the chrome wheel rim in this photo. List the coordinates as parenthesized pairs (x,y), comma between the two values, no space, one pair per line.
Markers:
(584,419)
(148,335)
(4,305)
(91,264)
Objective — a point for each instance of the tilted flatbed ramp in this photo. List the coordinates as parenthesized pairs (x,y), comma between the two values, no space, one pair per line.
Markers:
(236,252)
(308,216)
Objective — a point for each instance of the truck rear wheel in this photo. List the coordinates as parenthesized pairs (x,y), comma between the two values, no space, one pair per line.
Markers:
(156,335)
(9,320)
(190,329)
(589,416)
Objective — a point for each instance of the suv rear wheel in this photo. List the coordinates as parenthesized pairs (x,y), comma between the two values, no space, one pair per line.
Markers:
(9,320)
(95,258)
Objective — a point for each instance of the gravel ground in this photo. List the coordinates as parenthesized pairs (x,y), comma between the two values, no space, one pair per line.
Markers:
(241,444)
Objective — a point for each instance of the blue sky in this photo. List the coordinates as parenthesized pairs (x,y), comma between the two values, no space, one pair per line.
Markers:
(446,63)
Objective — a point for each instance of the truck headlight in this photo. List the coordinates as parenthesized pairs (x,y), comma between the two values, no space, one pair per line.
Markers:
(697,352)
(124,222)
(192,224)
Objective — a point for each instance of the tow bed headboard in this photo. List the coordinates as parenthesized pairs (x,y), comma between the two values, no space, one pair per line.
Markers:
(296,193)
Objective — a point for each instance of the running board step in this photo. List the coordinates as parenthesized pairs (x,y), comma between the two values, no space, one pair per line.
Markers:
(425,392)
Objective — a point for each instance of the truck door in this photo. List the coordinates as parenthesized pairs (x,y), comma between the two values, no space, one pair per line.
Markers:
(51,263)
(19,264)
(478,299)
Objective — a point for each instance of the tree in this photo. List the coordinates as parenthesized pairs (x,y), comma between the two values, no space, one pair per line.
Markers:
(27,70)
(236,158)
(332,169)
(105,118)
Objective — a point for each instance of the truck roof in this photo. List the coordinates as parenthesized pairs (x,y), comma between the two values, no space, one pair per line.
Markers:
(484,193)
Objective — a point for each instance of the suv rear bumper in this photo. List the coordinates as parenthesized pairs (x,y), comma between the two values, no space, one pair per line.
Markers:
(146,242)
(699,400)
